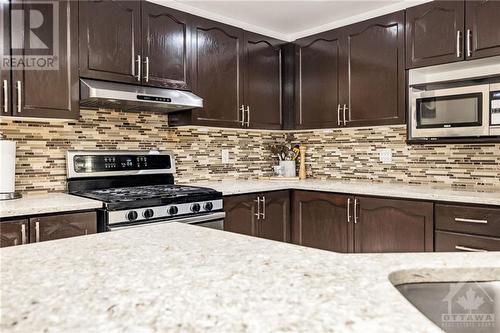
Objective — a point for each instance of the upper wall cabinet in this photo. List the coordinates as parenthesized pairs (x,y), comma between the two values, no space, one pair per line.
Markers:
(318,74)
(166,48)
(48,89)
(118,43)
(441,32)
(482,22)
(238,75)
(110,40)
(375,72)
(353,76)
(434,33)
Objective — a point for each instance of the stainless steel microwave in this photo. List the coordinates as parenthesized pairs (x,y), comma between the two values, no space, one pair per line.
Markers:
(457,112)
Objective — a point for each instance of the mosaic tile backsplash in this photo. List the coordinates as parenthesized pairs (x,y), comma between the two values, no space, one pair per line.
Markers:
(331,154)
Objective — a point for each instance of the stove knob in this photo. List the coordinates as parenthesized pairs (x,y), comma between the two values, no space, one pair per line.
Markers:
(132,215)
(148,213)
(195,208)
(208,206)
(172,210)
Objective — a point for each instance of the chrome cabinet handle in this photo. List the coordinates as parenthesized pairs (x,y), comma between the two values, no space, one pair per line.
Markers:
(146,62)
(344,109)
(19,96)
(469,37)
(5,96)
(348,210)
(242,110)
(469,249)
(248,115)
(139,64)
(263,207)
(459,219)
(355,211)
(258,208)
(338,115)
(459,53)
(37,231)
(23,233)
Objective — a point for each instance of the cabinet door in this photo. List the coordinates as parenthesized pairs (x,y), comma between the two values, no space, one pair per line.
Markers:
(218,71)
(483,21)
(274,222)
(44,92)
(240,214)
(319,67)
(110,40)
(62,226)
(13,232)
(5,78)
(387,225)
(434,33)
(263,81)
(319,220)
(376,73)
(166,45)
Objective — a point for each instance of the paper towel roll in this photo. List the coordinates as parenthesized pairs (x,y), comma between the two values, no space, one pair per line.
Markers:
(7,166)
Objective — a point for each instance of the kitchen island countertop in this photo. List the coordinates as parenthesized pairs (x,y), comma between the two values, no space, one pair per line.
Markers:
(403,191)
(181,278)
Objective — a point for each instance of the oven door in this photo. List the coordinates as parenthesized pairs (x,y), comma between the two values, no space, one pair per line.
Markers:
(453,112)
(211,220)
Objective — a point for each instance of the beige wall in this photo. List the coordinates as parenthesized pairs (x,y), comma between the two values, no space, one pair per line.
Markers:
(339,154)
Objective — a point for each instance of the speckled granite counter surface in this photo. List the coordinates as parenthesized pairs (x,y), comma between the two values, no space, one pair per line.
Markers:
(45,203)
(422,192)
(183,278)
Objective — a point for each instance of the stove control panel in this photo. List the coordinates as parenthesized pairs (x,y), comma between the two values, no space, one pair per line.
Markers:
(167,212)
(100,163)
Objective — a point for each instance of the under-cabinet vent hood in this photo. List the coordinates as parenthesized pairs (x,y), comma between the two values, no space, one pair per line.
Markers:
(111,95)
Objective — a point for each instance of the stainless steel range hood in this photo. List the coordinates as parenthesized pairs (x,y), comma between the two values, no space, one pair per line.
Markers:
(103,94)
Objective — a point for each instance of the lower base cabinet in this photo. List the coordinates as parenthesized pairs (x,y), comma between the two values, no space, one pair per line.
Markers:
(265,215)
(457,242)
(345,223)
(48,227)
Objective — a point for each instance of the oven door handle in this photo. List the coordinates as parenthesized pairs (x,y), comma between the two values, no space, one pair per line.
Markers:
(189,220)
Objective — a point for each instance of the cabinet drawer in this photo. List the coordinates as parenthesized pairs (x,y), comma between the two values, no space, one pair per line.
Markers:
(468,219)
(451,242)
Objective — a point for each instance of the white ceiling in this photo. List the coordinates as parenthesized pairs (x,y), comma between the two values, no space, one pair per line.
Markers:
(289,20)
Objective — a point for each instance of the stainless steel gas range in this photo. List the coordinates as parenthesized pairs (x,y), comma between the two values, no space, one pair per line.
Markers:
(137,188)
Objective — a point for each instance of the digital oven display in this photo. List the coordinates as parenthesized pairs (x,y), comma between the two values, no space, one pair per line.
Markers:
(100,163)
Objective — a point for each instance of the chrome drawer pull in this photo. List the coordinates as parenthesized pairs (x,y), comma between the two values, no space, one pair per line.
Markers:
(5,96)
(468,249)
(459,219)
(23,233)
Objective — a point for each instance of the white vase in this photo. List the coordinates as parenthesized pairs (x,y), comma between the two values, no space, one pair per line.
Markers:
(288,168)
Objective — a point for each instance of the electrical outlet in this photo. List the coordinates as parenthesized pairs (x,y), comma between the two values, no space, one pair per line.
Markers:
(225,156)
(385,155)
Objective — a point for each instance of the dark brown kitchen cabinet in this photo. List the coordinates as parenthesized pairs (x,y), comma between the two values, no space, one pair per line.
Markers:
(265,215)
(434,33)
(390,225)
(5,74)
(375,74)
(319,68)
(319,220)
(52,227)
(14,232)
(166,47)
(51,91)
(457,242)
(262,91)
(110,40)
(482,23)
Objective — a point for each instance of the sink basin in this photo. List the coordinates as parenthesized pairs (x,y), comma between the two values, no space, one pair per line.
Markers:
(457,307)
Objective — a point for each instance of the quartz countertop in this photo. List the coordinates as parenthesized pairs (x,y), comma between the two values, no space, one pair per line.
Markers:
(181,278)
(46,203)
(421,192)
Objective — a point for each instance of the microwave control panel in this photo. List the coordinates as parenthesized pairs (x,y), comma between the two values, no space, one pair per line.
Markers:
(495,107)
